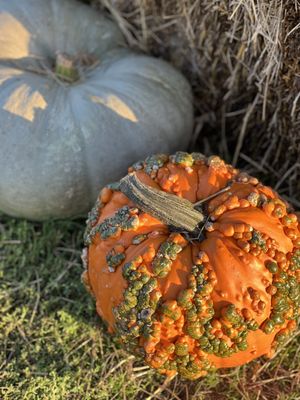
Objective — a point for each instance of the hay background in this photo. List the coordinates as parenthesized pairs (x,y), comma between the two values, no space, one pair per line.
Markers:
(242,59)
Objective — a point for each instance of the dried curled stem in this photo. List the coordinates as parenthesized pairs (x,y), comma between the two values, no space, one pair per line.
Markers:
(167,208)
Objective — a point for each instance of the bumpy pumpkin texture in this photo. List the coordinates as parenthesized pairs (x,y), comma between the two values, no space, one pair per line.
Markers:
(190,297)
(76,106)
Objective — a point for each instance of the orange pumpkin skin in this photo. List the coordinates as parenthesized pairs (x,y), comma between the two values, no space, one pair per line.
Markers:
(187,304)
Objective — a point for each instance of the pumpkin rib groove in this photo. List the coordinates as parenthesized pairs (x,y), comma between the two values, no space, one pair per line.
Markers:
(139,75)
(139,80)
(56,19)
(83,150)
(163,87)
(43,196)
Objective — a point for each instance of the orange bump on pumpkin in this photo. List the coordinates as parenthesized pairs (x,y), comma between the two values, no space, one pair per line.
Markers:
(190,295)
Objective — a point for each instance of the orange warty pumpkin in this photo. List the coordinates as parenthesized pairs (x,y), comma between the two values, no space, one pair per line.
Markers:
(194,264)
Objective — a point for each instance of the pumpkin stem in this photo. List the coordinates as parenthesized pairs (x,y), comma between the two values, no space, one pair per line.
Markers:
(65,68)
(168,208)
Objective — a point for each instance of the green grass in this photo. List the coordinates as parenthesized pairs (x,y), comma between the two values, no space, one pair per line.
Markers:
(53,345)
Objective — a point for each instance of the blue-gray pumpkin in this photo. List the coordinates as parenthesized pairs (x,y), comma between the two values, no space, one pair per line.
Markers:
(77,106)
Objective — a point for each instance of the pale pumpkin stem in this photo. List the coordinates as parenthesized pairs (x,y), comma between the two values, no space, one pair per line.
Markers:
(167,208)
(65,68)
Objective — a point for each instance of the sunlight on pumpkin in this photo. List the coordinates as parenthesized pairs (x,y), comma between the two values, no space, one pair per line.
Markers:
(24,103)
(14,41)
(8,73)
(115,104)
